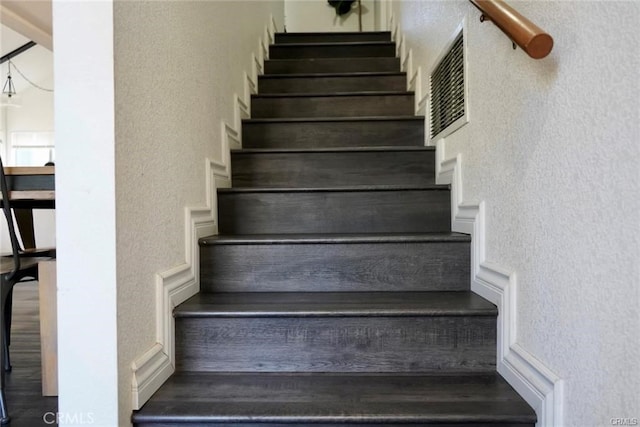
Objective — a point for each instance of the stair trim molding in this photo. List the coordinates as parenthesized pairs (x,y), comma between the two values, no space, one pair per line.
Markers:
(173,287)
(177,284)
(537,384)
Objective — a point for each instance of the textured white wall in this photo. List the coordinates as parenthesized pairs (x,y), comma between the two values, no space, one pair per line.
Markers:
(177,68)
(317,15)
(553,148)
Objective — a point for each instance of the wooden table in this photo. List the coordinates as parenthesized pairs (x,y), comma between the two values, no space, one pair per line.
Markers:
(34,188)
(30,188)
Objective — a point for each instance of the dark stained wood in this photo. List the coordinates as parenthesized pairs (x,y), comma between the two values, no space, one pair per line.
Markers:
(335,132)
(314,83)
(331,65)
(323,167)
(333,105)
(421,262)
(334,304)
(337,344)
(360,49)
(332,37)
(24,220)
(23,182)
(337,399)
(7,264)
(343,210)
(26,404)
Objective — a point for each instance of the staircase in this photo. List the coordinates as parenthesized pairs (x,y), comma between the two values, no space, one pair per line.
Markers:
(336,293)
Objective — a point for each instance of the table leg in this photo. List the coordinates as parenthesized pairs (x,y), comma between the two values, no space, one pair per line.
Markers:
(48,327)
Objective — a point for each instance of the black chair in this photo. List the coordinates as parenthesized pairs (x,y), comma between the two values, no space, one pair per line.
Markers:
(17,267)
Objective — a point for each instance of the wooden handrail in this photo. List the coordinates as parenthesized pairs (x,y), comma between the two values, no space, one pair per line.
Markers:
(519,29)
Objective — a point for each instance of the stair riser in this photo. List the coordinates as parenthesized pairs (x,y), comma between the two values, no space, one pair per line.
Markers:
(342,344)
(334,65)
(358,83)
(333,106)
(333,134)
(326,267)
(282,38)
(399,211)
(290,51)
(333,169)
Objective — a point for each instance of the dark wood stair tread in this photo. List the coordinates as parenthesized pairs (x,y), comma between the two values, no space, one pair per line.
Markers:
(323,33)
(310,398)
(323,75)
(270,239)
(356,188)
(335,304)
(334,119)
(331,95)
(325,43)
(390,149)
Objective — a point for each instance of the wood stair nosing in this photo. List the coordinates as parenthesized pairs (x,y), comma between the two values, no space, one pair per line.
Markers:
(327,119)
(334,304)
(328,238)
(355,74)
(338,150)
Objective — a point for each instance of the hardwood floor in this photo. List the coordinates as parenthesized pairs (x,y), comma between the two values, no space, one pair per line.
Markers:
(26,404)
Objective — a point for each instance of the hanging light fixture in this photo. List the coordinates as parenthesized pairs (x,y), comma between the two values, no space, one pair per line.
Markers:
(9,89)
(9,96)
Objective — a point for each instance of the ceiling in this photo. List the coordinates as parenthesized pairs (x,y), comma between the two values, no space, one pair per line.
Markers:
(21,22)
(31,18)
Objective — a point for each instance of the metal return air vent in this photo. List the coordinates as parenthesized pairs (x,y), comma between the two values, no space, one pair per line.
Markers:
(447,91)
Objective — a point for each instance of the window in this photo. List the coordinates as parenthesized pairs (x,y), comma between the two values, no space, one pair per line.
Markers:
(31,148)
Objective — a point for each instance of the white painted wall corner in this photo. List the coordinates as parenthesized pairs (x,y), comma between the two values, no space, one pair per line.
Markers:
(179,283)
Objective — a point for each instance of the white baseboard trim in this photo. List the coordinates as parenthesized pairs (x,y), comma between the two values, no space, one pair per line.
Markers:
(538,385)
(179,283)
(151,370)
(173,287)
